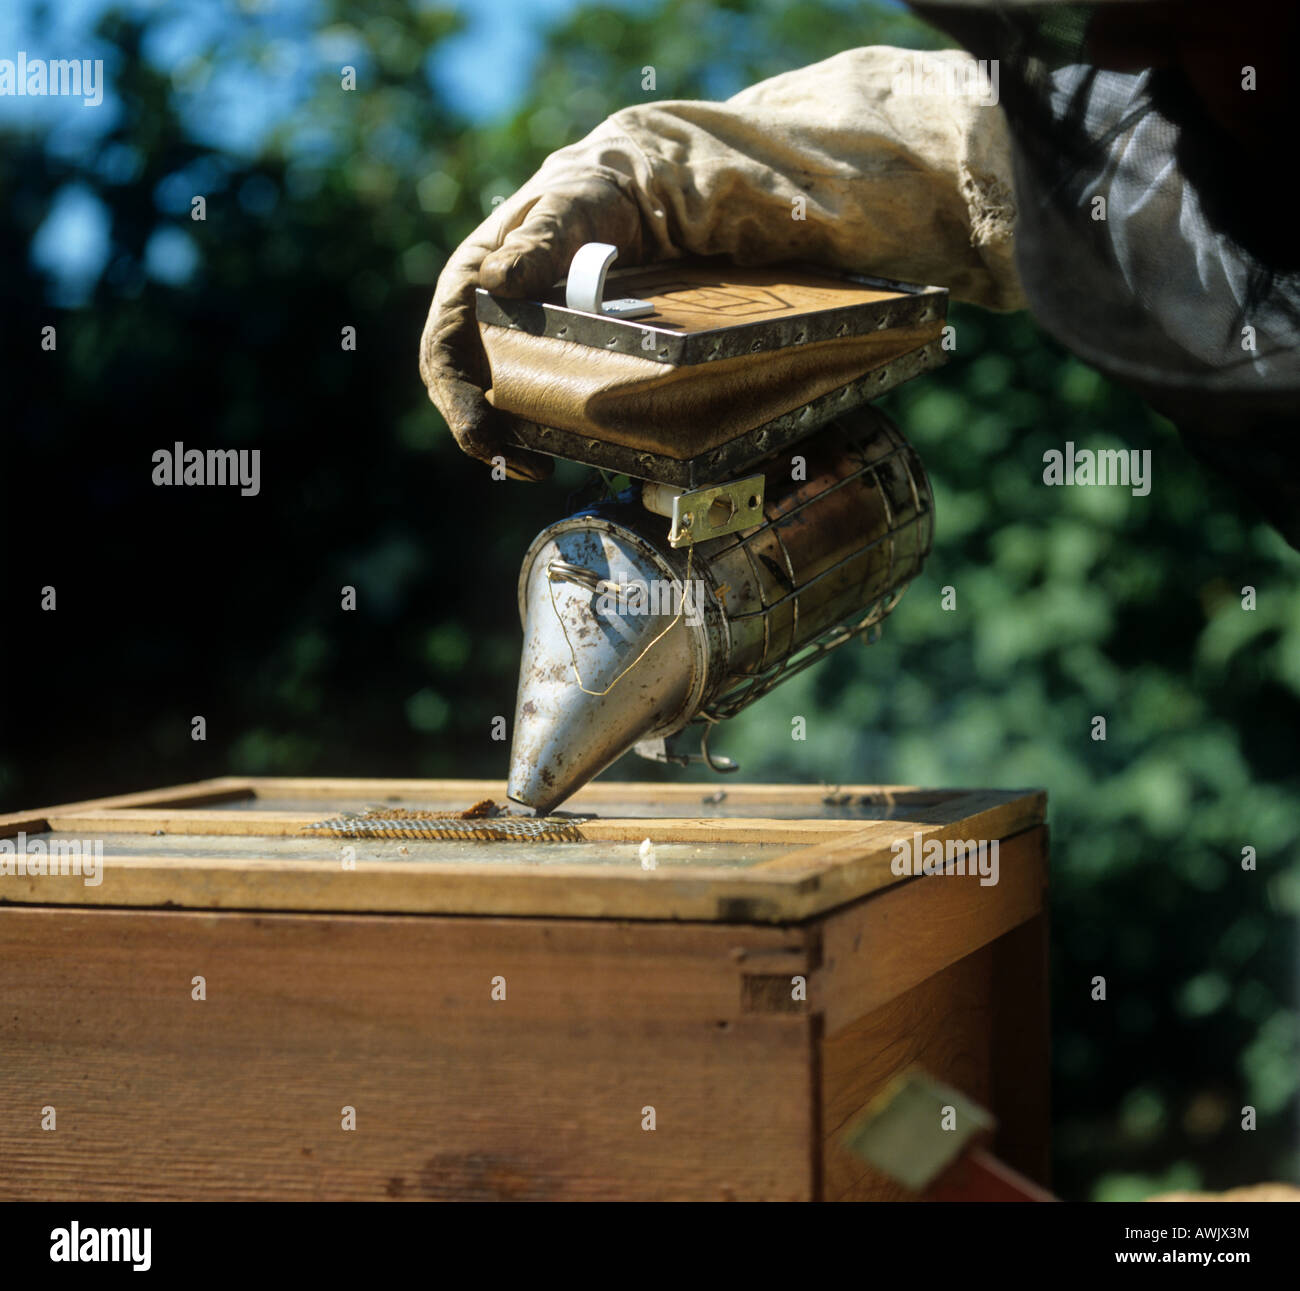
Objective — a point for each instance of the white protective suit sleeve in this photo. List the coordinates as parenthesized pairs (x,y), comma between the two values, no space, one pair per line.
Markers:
(850,163)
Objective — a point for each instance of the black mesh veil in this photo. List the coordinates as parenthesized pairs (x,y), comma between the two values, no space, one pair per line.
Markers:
(1152,237)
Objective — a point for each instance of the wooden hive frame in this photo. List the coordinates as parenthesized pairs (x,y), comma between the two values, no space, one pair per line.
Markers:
(627,989)
(829,861)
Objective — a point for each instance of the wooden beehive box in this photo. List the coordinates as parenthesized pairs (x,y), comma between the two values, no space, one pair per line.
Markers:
(374,982)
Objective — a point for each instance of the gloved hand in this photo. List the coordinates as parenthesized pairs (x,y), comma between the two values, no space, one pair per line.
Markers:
(520,250)
(840,164)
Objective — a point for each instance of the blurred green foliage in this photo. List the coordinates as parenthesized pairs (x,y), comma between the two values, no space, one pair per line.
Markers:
(1071,603)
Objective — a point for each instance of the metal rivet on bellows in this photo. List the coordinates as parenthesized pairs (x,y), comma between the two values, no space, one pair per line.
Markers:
(757,345)
(562,331)
(800,338)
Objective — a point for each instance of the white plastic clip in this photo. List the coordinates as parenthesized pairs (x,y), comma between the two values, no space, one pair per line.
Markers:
(586,284)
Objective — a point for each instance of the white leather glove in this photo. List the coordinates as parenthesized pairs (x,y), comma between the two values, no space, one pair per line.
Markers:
(839,164)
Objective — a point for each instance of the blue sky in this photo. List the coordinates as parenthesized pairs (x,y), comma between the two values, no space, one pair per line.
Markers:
(484,69)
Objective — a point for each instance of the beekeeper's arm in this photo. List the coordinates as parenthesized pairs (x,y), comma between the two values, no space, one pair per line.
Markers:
(843,163)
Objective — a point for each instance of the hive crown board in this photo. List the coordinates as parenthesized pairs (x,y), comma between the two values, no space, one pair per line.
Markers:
(760,853)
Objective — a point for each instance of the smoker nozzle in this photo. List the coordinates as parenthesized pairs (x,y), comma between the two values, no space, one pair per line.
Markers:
(628,639)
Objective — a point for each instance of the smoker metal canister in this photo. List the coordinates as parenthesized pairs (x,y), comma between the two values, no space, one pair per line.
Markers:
(841,538)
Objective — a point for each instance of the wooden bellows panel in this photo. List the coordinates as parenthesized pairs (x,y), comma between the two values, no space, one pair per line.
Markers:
(733,365)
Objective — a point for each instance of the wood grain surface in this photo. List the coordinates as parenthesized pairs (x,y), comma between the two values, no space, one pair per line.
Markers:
(625,989)
(875,950)
(824,863)
(941,1025)
(698,297)
(539,1096)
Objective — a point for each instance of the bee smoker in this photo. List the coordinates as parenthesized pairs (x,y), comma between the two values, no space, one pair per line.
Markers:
(742,552)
